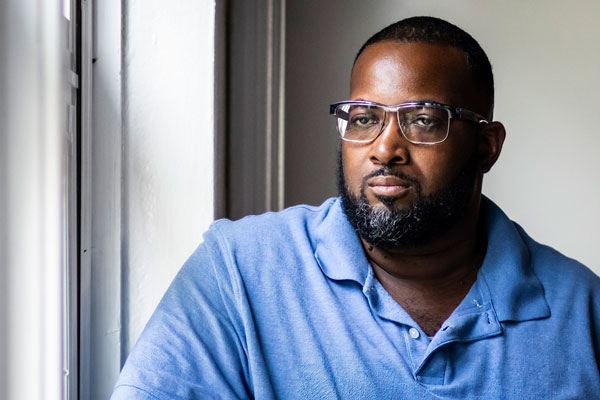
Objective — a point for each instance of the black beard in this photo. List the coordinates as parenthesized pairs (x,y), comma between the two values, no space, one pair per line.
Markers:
(428,218)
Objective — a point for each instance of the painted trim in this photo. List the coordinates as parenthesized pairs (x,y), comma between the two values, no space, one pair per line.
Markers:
(255,105)
(101,208)
(220,119)
(85,228)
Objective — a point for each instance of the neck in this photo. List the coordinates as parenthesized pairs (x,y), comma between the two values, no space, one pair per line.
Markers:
(431,280)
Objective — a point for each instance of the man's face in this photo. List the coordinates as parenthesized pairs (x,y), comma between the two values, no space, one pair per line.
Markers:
(393,179)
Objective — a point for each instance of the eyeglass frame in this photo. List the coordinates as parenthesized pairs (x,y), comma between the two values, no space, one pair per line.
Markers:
(457,113)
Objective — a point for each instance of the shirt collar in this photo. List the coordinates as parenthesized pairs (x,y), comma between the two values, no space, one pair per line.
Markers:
(514,290)
(337,247)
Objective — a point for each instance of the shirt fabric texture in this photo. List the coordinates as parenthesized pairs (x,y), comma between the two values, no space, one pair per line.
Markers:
(285,306)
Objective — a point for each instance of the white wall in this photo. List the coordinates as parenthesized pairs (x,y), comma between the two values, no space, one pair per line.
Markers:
(151,178)
(168,131)
(545,55)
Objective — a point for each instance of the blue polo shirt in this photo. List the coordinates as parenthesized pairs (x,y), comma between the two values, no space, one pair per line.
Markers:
(285,305)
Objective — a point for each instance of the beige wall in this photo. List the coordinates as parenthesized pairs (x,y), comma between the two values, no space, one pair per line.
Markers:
(545,56)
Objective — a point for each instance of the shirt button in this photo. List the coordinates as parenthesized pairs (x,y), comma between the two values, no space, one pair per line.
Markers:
(413,333)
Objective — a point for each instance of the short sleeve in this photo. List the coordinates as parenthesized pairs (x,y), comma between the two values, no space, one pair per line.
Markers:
(190,348)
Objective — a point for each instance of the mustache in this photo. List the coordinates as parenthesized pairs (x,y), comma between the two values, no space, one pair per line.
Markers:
(387,171)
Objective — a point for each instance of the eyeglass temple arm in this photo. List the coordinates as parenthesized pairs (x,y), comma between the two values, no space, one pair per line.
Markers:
(461,113)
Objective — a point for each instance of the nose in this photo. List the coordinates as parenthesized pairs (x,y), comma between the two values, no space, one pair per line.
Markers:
(391,147)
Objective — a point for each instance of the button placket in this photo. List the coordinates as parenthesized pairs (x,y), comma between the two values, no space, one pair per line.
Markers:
(416,343)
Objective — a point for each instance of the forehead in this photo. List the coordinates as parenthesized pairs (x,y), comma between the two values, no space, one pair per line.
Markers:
(397,72)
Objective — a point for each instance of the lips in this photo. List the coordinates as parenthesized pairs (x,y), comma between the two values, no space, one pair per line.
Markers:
(389,186)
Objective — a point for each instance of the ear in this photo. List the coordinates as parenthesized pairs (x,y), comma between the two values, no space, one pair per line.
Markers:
(491,139)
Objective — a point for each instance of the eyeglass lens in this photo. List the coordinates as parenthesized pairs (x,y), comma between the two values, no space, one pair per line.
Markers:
(419,124)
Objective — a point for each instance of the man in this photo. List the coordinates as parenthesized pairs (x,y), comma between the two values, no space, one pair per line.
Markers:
(410,285)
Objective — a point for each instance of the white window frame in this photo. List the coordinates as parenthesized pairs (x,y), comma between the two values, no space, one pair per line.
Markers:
(35,141)
(100,241)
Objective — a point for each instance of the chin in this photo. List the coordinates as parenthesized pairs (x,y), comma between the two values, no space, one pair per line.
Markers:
(391,202)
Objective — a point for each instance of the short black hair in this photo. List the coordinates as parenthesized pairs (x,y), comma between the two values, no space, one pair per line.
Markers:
(436,31)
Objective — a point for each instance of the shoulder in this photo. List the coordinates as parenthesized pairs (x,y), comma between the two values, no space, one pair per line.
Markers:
(256,248)
(571,289)
(555,269)
(283,227)
(512,244)
(525,273)
(300,214)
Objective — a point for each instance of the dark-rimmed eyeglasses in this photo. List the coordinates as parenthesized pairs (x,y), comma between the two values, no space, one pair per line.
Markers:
(420,122)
